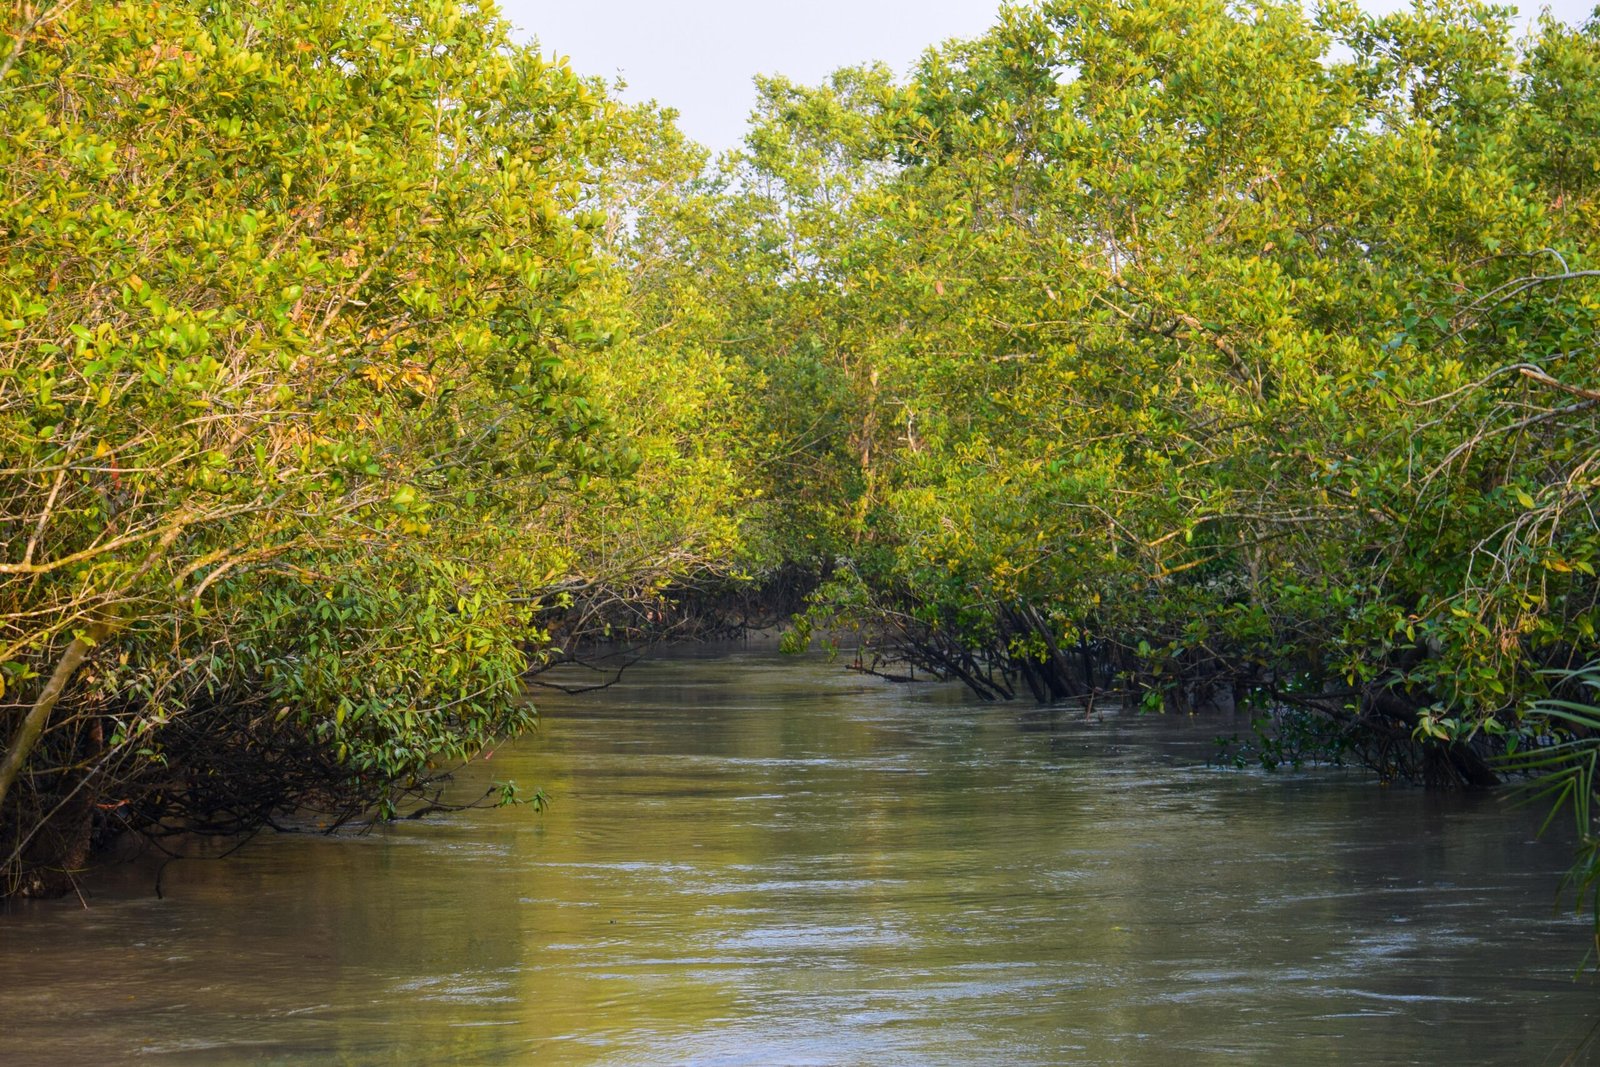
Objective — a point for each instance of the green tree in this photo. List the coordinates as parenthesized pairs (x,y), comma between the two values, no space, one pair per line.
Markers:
(290,298)
(1216,348)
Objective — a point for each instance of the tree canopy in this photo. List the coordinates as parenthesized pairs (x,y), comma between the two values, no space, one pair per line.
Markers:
(354,358)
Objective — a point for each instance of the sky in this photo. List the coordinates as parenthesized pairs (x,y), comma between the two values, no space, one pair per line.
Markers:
(699,56)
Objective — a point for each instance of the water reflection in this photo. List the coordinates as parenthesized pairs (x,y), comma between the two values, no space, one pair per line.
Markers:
(762,861)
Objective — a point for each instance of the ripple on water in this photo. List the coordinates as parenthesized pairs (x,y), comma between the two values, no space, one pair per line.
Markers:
(761,861)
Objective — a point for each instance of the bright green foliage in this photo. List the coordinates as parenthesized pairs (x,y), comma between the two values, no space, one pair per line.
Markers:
(1180,346)
(1229,347)
(296,304)
(665,386)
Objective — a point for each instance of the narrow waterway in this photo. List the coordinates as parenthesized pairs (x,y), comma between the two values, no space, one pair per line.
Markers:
(753,860)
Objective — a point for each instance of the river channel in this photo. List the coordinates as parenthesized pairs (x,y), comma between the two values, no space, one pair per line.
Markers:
(753,860)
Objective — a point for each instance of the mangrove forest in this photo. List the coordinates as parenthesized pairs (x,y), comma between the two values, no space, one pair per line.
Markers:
(365,367)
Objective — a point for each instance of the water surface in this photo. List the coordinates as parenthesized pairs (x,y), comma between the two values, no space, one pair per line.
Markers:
(762,861)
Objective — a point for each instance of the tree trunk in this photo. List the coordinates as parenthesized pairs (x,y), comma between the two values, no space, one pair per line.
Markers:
(32,728)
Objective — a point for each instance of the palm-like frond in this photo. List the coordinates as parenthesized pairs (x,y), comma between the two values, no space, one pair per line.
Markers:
(1563,772)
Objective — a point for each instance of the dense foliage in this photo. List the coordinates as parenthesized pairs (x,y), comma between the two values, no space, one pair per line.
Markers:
(1207,348)
(299,447)
(1196,350)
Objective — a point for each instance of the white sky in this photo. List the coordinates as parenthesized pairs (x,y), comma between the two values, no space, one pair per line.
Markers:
(699,56)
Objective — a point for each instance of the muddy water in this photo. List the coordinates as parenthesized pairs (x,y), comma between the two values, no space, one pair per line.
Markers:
(752,860)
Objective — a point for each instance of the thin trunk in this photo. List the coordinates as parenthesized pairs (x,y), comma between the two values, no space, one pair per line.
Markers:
(28,734)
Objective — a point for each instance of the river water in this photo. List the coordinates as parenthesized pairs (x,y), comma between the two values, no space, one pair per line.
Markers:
(752,860)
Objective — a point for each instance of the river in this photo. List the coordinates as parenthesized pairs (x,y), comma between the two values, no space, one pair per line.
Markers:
(752,860)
